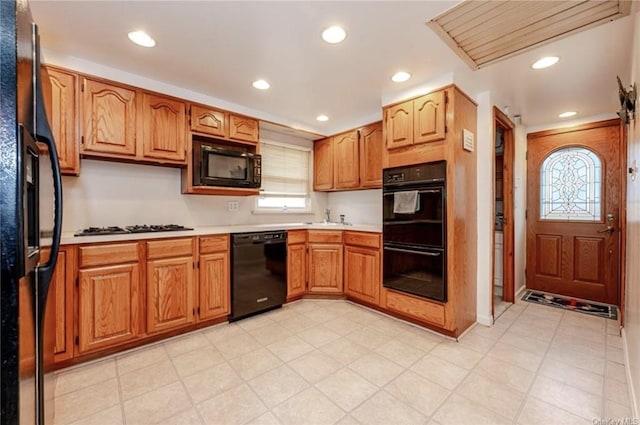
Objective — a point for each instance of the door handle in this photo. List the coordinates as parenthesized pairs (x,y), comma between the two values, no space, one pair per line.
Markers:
(608,229)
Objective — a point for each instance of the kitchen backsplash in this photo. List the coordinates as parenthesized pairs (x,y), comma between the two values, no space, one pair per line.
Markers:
(358,206)
(109,193)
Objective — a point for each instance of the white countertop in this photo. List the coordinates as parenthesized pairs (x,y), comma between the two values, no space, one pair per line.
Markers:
(69,239)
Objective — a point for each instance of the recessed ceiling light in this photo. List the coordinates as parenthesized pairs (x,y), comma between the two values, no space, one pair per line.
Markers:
(261,84)
(334,34)
(545,62)
(567,114)
(141,38)
(322,117)
(400,77)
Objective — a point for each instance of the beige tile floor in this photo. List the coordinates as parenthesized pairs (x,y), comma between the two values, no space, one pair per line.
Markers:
(333,362)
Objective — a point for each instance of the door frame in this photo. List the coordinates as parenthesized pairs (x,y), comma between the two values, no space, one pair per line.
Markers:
(501,120)
(622,195)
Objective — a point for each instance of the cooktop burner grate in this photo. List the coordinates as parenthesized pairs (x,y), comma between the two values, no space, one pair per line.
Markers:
(138,228)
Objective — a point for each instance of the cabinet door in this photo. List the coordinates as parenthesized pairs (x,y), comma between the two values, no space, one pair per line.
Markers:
(243,128)
(429,117)
(296,270)
(345,160)
(109,119)
(214,285)
(371,155)
(323,164)
(399,125)
(325,267)
(62,109)
(169,294)
(163,128)
(362,273)
(209,121)
(108,306)
(61,295)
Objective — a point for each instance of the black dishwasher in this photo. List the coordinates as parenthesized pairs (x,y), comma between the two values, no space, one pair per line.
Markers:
(258,272)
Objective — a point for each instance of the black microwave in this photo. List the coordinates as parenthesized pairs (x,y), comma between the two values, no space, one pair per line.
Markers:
(215,165)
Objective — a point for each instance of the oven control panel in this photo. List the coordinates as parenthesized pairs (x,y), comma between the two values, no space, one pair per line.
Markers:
(419,173)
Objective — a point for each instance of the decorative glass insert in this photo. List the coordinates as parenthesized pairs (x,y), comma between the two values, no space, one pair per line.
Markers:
(570,185)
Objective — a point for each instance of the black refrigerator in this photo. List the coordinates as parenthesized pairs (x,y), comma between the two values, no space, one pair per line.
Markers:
(30,220)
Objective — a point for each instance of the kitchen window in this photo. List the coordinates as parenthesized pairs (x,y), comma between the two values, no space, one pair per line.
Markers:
(285,178)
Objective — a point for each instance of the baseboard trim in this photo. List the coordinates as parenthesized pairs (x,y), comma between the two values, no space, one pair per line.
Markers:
(485,320)
(632,392)
(518,295)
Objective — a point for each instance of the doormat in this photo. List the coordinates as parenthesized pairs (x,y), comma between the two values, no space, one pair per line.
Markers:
(601,310)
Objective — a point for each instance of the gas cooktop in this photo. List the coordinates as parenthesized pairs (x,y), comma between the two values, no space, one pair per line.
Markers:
(138,228)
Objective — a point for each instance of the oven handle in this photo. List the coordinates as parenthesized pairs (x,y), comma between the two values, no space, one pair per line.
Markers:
(420,191)
(428,254)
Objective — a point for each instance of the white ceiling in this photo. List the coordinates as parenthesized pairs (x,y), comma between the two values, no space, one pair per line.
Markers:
(218,48)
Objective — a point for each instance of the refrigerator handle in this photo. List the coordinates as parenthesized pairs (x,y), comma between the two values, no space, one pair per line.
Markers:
(44,135)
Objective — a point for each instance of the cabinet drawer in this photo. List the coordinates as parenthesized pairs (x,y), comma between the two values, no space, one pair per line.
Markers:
(296,236)
(214,244)
(415,307)
(102,255)
(169,248)
(370,240)
(325,236)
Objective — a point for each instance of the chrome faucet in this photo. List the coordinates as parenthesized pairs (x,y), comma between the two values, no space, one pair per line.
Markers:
(327,215)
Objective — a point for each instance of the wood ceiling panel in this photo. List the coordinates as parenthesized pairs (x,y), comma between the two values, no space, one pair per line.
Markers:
(482,32)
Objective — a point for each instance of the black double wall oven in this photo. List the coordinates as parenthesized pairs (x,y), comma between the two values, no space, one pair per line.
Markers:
(414,230)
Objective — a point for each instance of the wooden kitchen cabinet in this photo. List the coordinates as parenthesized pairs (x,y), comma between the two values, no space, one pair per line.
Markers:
(398,121)
(214,277)
(164,131)
(209,121)
(243,128)
(325,261)
(61,99)
(362,266)
(416,121)
(346,170)
(170,287)
(109,296)
(323,164)
(59,313)
(429,117)
(109,119)
(296,263)
(371,147)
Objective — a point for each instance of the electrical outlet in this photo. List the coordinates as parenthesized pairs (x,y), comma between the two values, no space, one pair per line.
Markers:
(232,206)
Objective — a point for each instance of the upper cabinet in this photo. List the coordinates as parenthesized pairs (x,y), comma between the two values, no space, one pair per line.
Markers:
(62,109)
(346,173)
(163,128)
(371,146)
(350,160)
(109,119)
(209,121)
(323,164)
(224,125)
(243,128)
(416,121)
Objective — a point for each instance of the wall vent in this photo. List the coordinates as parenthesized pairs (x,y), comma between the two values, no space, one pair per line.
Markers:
(482,32)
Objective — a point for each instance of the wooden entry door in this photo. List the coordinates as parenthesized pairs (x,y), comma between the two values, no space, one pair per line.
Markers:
(573,211)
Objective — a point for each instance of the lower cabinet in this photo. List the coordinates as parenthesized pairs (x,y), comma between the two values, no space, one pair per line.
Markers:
(325,261)
(61,298)
(362,266)
(214,281)
(109,298)
(170,288)
(296,263)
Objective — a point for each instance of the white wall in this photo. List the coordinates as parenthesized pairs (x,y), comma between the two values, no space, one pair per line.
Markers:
(109,193)
(485,197)
(632,304)
(359,206)
(519,207)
